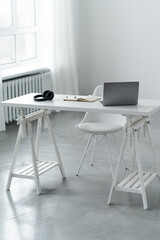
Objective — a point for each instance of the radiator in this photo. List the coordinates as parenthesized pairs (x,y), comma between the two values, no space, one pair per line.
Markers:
(18,86)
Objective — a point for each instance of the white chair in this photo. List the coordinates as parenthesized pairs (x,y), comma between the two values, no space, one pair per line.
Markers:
(101,124)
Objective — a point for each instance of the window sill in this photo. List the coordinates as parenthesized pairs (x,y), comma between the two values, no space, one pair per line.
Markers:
(22,70)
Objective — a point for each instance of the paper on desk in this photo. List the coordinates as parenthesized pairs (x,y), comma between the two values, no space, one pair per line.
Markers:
(89,98)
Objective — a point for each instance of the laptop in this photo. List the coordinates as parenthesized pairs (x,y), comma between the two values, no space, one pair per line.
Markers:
(120,93)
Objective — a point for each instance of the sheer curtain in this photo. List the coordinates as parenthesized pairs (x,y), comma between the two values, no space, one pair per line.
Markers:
(64,67)
(2,120)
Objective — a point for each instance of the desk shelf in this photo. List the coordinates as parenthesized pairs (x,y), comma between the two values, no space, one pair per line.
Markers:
(132,182)
(28,172)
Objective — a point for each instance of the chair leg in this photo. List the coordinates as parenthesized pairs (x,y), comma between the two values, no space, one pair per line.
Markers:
(86,148)
(101,141)
(93,151)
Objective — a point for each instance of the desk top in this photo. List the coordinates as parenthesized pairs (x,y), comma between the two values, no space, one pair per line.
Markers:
(145,107)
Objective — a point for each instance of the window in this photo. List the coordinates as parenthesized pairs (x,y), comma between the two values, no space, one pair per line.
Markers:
(18,32)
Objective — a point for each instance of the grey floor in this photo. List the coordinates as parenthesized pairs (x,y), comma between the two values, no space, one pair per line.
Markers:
(75,208)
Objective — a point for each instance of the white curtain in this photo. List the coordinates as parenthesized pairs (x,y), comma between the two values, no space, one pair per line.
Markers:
(2,120)
(65,79)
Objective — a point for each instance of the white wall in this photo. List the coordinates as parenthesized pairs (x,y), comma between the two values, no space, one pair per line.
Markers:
(119,40)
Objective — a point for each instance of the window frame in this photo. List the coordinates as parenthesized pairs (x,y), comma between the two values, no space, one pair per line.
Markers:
(15,31)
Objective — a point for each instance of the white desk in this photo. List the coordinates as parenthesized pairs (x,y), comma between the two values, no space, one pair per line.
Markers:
(146,107)
(137,116)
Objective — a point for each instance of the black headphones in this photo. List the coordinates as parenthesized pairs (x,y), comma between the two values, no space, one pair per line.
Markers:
(46,95)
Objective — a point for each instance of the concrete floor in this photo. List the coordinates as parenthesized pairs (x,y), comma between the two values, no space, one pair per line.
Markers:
(75,208)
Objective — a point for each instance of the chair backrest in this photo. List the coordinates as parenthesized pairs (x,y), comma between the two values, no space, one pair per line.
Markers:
(103,117)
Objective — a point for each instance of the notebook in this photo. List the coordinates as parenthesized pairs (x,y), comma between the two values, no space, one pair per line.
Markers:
(89,98)
(120,93)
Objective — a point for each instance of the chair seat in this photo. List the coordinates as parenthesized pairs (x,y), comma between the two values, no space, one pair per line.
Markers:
(99,128)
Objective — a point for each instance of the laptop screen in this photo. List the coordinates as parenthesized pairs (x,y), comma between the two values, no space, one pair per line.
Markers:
(120,93)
